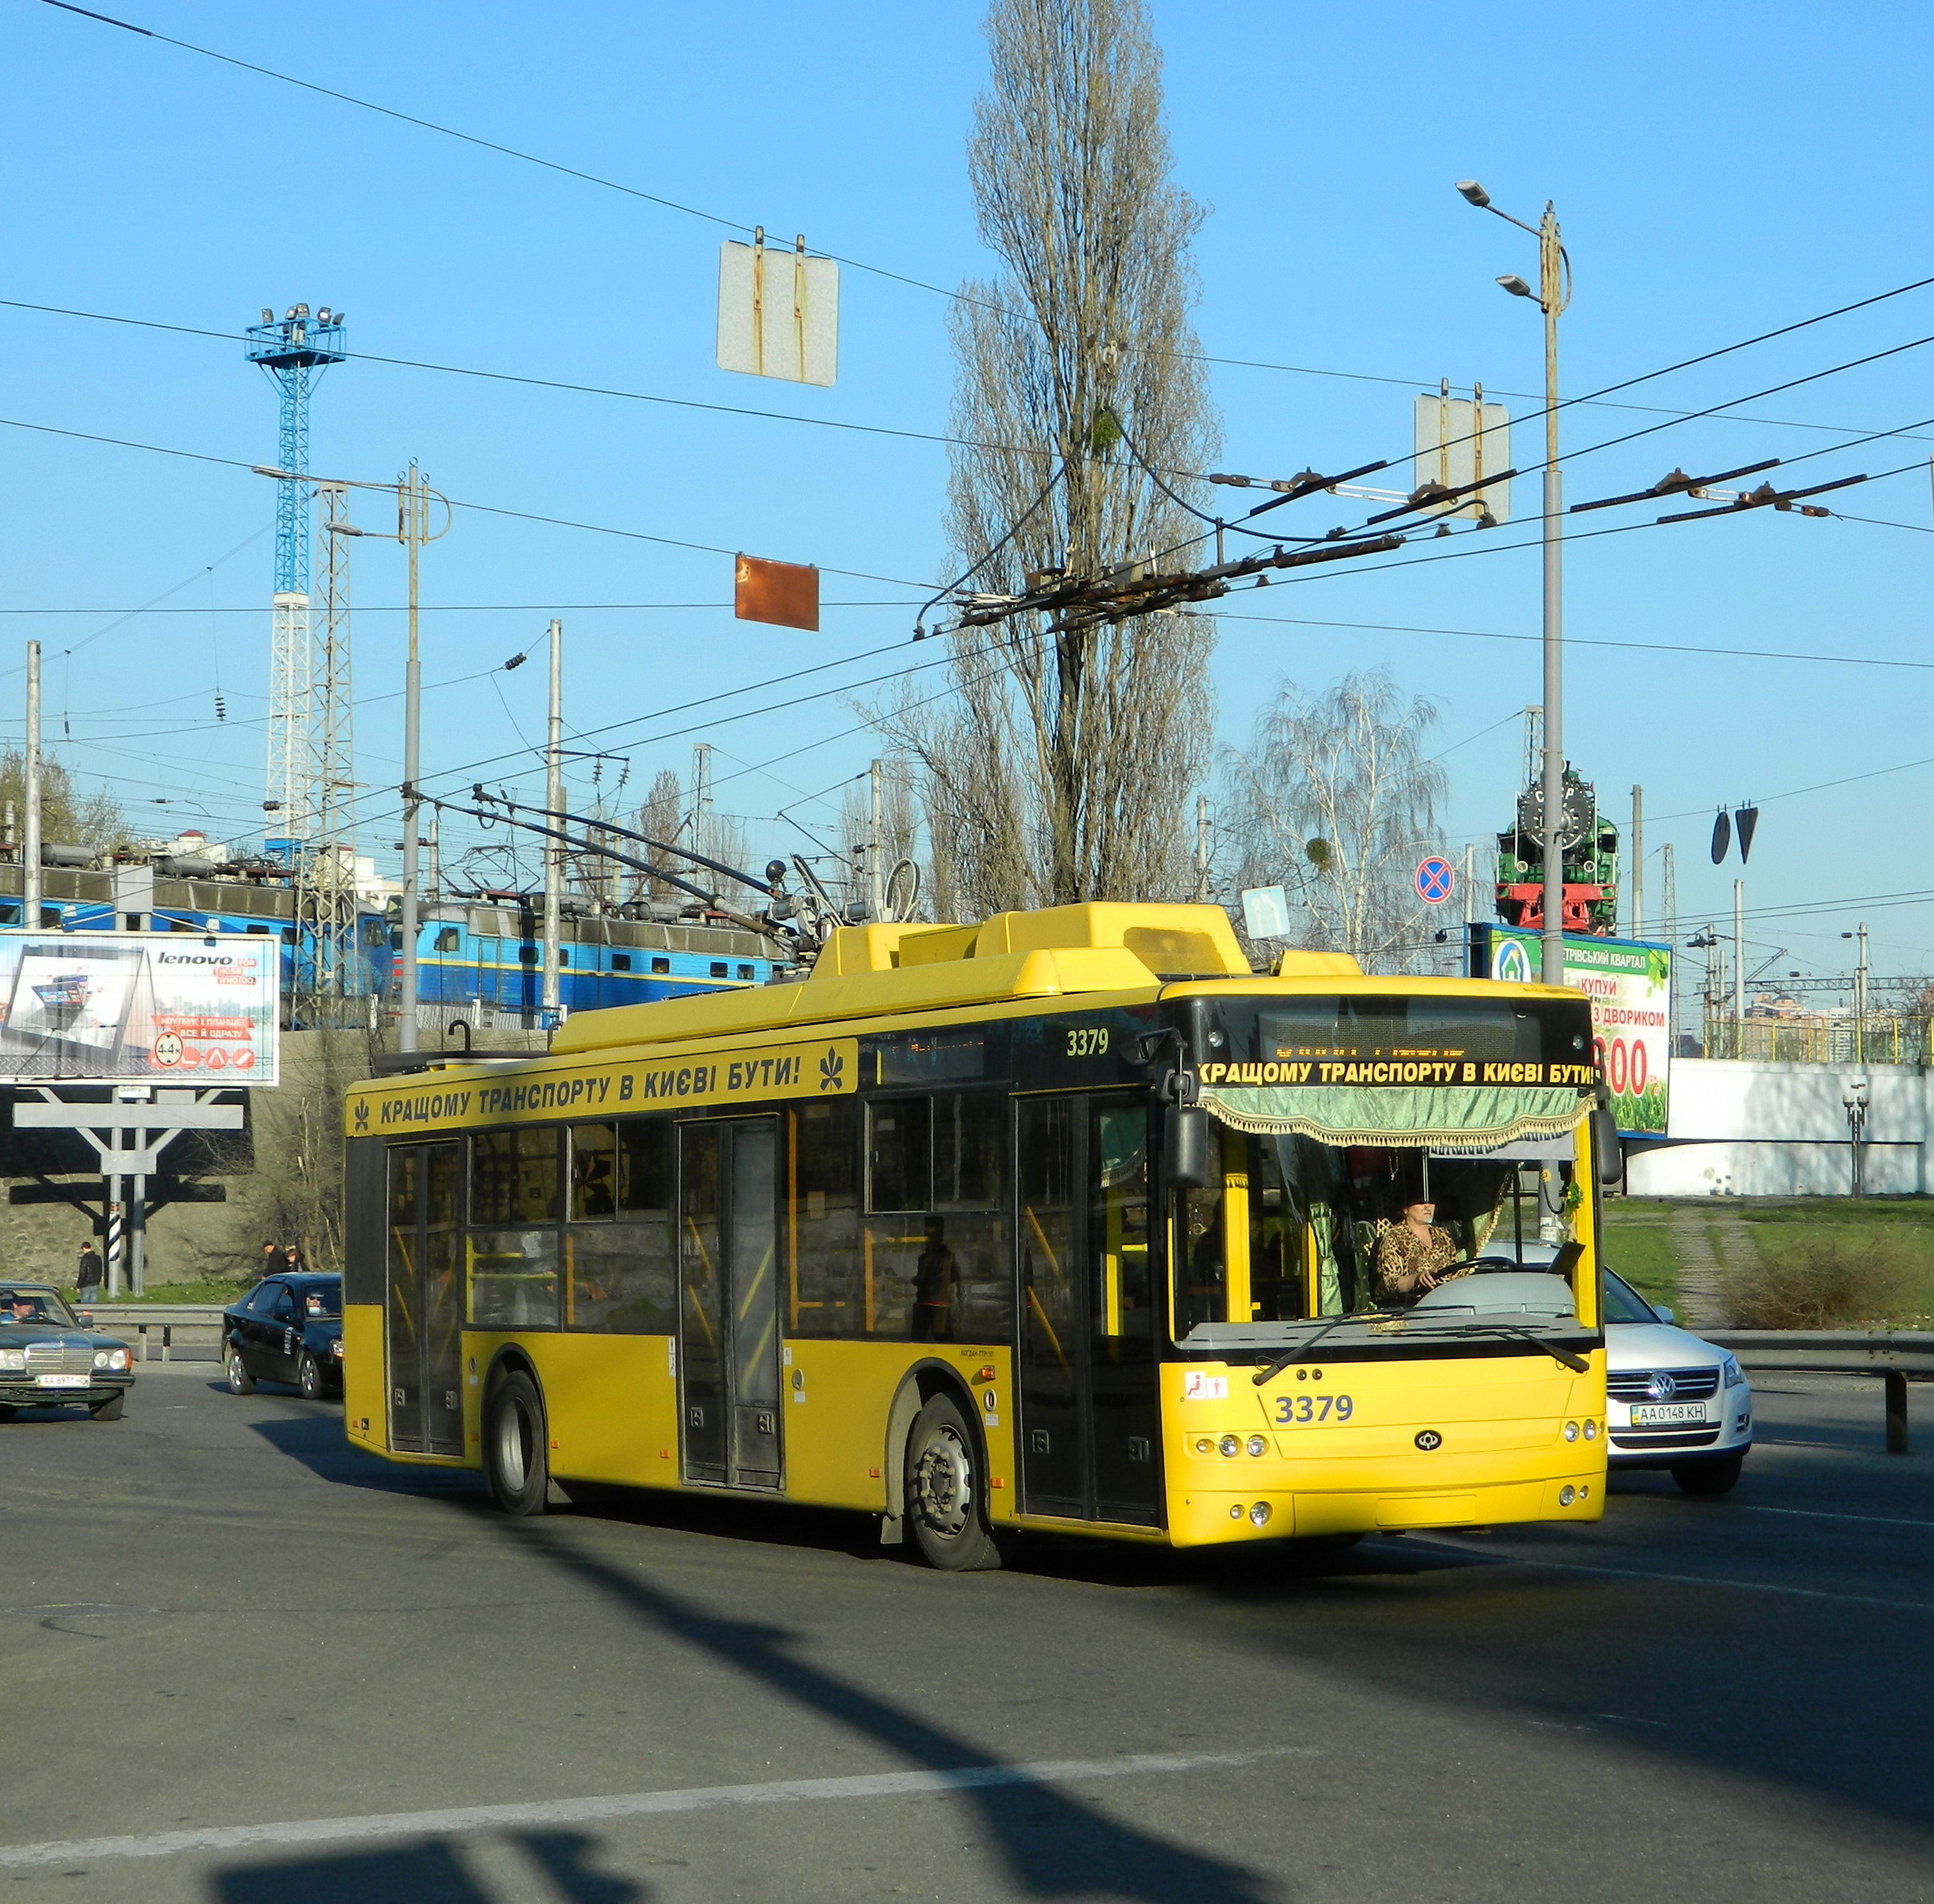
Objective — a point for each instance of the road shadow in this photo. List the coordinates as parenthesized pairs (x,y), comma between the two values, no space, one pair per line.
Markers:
(435,1872)
(1051,1843)
(310,1433)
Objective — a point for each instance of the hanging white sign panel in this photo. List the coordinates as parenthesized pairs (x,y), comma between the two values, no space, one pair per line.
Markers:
(779,313)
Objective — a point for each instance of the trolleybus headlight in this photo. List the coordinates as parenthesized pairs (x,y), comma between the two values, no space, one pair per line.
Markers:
(1258,1445)
(1259,1513)
(1591,1431)
(1566,1496)
(1570,1431)
(1235,1513)
(1230,1445)
(1204,1446)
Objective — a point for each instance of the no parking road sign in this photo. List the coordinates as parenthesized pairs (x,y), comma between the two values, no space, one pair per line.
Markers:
(1435,880)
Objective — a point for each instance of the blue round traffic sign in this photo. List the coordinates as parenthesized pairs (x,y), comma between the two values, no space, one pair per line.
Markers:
(1434,880)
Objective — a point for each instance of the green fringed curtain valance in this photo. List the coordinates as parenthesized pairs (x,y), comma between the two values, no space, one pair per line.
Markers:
(1474,1117)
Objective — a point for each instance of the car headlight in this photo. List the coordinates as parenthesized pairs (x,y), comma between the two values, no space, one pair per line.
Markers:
(335,1348)
(120,1358)
(13,1358)
(1735,1374)
(100,1358)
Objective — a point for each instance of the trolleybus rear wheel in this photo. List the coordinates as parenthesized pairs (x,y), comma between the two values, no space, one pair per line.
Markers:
(945,1499)
(515,1460)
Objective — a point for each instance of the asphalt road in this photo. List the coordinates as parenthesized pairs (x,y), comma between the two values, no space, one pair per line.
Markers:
(219,1627)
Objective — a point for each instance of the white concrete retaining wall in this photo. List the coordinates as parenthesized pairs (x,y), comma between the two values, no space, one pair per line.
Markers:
(1739,1129)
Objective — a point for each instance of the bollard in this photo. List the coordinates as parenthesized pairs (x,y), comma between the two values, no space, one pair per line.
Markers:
(1896,1379)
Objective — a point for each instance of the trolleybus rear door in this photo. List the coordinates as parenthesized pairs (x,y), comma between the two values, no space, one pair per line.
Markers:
(423,1304)
(728,1308)
(1088,1382)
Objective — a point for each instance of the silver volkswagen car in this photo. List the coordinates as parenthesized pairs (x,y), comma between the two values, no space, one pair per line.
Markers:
(1672,1401)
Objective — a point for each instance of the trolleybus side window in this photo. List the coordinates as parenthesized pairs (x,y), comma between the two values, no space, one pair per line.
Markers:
(512,1234)
(619,1268)
(825,1295)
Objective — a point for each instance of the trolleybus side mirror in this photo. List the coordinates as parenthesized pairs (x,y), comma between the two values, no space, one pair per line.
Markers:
(1185,1145)
(1606,1148)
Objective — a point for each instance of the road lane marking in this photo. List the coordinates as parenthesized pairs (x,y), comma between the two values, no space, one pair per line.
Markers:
(628,1805)
(1705,1580)
(1821,1513)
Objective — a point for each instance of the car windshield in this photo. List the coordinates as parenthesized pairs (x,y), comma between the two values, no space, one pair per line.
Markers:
(30,1307)
(1624,1304)
(322,1299)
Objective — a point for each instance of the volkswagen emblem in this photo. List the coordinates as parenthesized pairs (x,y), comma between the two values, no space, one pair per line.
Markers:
(1428,1439)
(1662,1388)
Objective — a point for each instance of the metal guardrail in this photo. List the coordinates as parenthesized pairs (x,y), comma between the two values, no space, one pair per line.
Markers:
(165,1326)
(1894,1355)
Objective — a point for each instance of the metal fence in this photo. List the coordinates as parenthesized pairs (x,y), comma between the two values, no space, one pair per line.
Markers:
(1879,1038)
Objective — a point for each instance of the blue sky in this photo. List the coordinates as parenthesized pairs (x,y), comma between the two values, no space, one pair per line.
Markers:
(1718,174)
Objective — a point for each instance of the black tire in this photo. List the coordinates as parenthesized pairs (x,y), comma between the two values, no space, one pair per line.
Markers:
(946,1490)
(309,1378)
(240,1382)
(1718,1476)
(516,1458)
(8,1411)
(110,1410)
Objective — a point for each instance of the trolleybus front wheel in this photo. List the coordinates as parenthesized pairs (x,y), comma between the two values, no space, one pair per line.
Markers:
(514,1459)
(945,1497)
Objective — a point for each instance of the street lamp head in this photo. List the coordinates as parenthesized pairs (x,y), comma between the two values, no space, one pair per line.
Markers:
(1516,286)
(1474,192)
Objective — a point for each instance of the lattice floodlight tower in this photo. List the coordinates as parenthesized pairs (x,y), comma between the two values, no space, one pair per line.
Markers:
(292,350)
(310,775)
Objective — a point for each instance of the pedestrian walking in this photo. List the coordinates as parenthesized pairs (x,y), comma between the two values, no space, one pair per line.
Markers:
(89,1278)
(292,1259)
(269,1261)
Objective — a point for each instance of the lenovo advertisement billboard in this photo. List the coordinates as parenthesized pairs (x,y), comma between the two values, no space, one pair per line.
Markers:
(139,1007)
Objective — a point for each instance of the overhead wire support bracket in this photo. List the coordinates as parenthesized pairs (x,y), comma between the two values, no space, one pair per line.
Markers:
(1430,493)
(1309,484)
(1677,483)
(1766,497)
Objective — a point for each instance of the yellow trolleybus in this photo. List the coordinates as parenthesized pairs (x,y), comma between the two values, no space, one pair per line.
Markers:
(1066,1221)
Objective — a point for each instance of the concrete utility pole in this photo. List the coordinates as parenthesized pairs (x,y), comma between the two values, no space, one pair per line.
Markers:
(554,850)
(1201,849)
(1553,294)
(29,845)
(1738,968)
(876,827)
(1637,880)
(1859,998)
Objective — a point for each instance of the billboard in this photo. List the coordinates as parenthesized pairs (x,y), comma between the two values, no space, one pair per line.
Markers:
(139,1008)
(1629,982)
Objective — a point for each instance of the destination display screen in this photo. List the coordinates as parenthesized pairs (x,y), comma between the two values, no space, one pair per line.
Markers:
(1396,1041)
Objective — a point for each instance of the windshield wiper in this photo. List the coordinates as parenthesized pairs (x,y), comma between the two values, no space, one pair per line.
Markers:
(1272,1369)
(1557,1351)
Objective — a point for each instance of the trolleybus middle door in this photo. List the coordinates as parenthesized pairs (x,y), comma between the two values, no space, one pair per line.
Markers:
(728,1308)
(423,1306)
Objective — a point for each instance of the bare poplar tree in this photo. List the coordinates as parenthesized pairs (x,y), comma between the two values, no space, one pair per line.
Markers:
(1336,801)
(660,817)
(1062,768)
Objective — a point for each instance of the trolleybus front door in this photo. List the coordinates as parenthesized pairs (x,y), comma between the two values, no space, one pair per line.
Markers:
(422,1303)
(728,1304)
(1088,1380)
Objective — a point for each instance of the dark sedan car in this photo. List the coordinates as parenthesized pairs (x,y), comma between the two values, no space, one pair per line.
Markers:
(287,1328)
(47,1359)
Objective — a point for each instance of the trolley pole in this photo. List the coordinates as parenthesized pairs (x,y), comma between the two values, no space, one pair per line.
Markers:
(1738,968)
(413,515)
(554,850)
(1638,863)
(876,879)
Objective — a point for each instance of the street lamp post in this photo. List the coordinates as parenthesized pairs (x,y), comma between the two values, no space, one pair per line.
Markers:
(1854,1098)
(1553,294)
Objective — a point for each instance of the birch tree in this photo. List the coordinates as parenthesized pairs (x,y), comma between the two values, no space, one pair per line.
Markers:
(1336,801)
(1062,767)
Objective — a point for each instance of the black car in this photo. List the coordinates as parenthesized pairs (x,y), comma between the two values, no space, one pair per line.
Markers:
(287,1328)
(49,1360)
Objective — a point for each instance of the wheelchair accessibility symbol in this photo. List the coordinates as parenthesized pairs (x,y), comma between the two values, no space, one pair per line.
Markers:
(1434,880)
